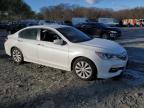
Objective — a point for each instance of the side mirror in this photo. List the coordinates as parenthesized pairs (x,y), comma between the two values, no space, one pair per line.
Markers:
(58,42)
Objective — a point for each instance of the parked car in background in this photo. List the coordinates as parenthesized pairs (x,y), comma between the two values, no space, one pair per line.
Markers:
(69,49)
(109,21)
(78,20)
(14,26)
(45,22)
(99,30)
(4,24)
(67,22)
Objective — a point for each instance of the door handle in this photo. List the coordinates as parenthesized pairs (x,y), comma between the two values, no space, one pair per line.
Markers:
(40,44)
(20,40)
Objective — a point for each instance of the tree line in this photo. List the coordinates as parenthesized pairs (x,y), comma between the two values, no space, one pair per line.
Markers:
(66,12)
(15,9)
(18,9)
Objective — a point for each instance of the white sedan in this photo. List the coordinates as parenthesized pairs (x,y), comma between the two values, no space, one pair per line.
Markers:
(69,49)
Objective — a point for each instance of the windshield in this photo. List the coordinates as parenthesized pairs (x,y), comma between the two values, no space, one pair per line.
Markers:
(74,35)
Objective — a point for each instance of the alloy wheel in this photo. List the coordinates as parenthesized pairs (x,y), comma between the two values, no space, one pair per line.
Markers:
(16,54)
(83,69)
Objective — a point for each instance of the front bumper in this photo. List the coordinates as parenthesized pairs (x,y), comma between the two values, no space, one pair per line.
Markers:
(110,68)
(113,35)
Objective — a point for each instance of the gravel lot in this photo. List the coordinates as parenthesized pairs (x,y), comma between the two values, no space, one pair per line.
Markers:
(35,86)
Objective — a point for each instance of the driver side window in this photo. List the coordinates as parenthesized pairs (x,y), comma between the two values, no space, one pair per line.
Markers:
(48,35)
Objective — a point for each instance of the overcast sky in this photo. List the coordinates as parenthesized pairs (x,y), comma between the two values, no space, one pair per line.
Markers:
(114,4)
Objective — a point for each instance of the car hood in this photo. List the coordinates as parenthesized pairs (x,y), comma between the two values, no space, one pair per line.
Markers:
(109,46)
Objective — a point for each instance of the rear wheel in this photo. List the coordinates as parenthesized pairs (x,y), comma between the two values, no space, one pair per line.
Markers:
(84,69)
(17,55)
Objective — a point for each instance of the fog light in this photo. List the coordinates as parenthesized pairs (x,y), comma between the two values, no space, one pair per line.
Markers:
(113,70)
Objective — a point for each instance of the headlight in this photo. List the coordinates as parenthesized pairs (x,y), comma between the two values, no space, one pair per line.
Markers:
(113,32)
(107,56)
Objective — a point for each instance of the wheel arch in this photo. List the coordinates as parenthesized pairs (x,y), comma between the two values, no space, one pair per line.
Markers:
(13,48)
(81,57)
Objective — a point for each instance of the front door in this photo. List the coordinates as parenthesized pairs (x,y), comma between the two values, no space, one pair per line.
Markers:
(52,54)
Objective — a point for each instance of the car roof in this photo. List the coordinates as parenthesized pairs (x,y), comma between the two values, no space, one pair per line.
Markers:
(55,26)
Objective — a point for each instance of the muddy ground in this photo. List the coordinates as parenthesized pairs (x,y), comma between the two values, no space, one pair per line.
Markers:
(35,86)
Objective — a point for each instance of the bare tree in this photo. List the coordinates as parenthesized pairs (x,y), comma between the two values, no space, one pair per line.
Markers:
(66,12)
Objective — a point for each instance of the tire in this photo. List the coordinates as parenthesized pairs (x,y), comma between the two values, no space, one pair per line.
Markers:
(17,56)
(84,69)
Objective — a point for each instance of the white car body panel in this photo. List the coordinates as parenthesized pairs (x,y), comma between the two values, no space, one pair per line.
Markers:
(52,54)
(61,56)
(29,49)
(108,45)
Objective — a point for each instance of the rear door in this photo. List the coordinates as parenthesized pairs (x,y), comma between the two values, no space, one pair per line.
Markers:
(27,42)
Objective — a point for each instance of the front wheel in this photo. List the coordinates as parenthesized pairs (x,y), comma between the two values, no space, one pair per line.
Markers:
(84,69)
(17,55)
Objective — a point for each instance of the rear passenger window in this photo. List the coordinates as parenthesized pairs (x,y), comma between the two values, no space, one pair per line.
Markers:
(29,34)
